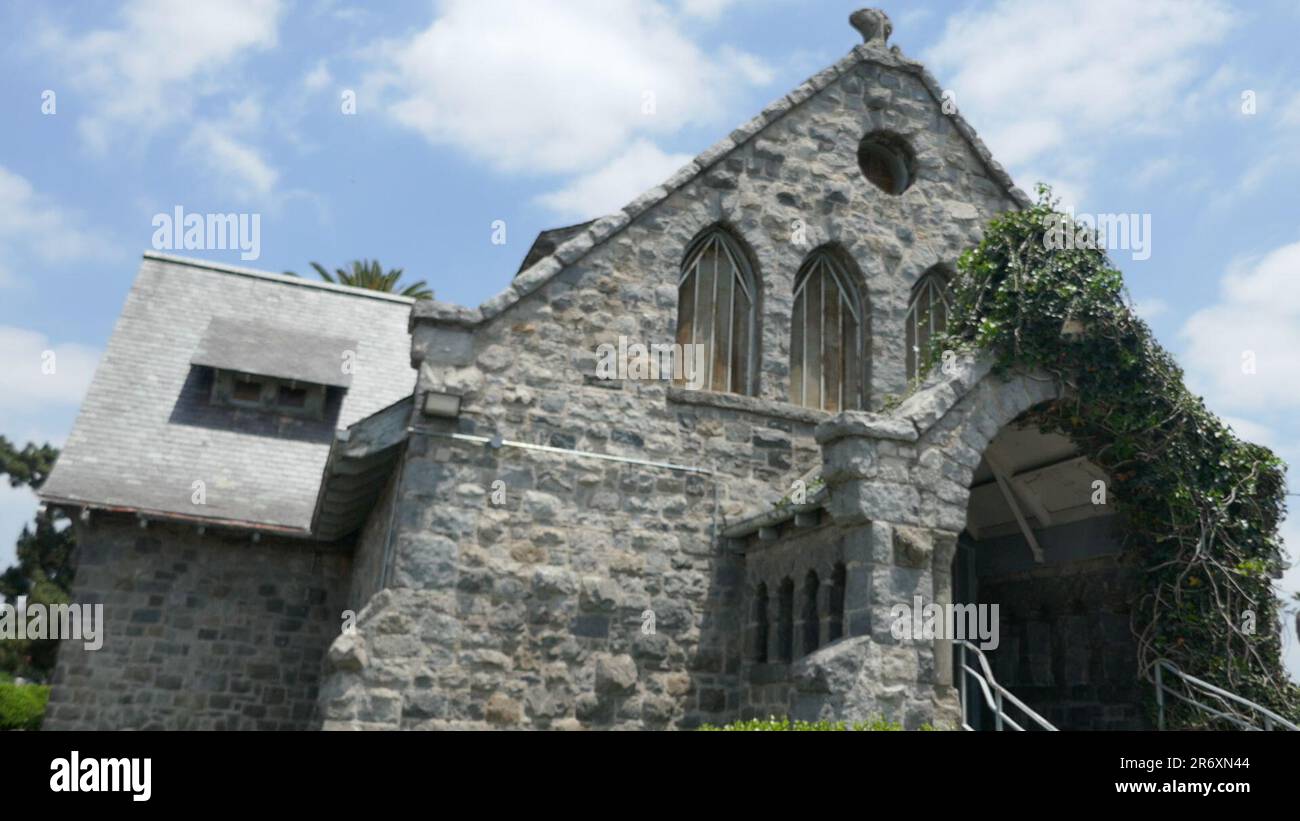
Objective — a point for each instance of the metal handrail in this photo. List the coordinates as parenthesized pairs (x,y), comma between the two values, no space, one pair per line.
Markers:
(1270,719)
(994,698)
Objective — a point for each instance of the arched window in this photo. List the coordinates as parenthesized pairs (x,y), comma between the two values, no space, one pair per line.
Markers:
(812,624)
(716,298)
(760,624)
(835,627)
(927,316)
(826,337)
(785,621)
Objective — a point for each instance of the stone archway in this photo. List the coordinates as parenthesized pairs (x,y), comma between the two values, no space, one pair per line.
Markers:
(907,475)
(919,478)
(1042,557)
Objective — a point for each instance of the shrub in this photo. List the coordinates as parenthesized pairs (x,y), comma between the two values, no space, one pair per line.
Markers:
(22,706)
(774,724)
(1201,506)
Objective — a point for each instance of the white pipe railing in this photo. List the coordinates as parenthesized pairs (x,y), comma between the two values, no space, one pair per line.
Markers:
(1269,719)
(995,695)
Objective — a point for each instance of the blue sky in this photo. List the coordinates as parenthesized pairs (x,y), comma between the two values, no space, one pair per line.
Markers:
(540,114)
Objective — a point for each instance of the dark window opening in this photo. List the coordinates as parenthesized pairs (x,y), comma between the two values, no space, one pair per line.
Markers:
(250,392)
(785,622)
(292,397)
(811,618)
(760,624)
(270,394)
(835,622)
(887,162)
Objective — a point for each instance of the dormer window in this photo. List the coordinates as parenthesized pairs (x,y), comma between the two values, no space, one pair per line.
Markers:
(245,391)
(263,367)
(291,397)
(263,393)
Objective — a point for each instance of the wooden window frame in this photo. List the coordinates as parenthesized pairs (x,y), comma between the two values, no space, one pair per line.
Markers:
(813,376)
(929,290)
(728,369)
(223,393)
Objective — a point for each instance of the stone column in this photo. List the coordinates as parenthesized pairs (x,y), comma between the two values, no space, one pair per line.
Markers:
(944,548)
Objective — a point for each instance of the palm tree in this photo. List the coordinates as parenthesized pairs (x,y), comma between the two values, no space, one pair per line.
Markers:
(370,274)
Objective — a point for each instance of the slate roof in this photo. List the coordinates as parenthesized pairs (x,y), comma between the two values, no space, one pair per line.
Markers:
(272,350)
(147,431)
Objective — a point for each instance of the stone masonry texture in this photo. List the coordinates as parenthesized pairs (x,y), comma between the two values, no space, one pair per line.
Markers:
(532,613)
(202,632)
(505,587)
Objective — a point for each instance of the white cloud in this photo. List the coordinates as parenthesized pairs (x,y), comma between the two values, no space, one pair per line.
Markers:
(1249,430)
(1257,318)
(641,167)
(552,85)
(236,163)
(1042,77)
(705,9)
(33,228)
(319,77)
(1154,170)
(224,145)
(164,56)
(1067,185)
(25,384)
(1150,308)
(912,17)
(1290,112)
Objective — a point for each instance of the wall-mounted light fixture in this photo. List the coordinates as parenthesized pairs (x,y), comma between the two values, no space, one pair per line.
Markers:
(445,405)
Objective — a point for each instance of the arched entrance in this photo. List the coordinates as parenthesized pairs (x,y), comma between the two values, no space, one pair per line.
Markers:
(1042,548)
(965,505)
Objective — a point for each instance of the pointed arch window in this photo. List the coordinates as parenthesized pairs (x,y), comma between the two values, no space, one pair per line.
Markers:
(838,580)
(812,624)
(785,621)
(760,624)
(826,339)
(927,317)
(716,298)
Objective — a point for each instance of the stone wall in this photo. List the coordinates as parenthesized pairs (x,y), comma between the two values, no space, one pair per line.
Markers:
(874,673)
(772,643)
(529,614)
(372,548)
(201,632)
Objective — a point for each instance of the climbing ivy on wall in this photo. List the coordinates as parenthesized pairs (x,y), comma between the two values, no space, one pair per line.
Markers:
(1202,507)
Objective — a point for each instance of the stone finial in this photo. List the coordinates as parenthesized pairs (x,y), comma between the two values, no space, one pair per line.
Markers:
(873,24)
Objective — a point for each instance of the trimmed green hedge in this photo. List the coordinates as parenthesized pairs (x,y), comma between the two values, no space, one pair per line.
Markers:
(774,724)
(22,706)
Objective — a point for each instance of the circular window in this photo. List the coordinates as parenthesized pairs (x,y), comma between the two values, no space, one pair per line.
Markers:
(887,161)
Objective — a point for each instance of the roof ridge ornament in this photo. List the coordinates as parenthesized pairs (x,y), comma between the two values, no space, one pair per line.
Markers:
(874,26)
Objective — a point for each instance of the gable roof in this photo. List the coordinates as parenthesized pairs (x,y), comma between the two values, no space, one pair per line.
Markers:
(875,27)
(147,432)
(547,241)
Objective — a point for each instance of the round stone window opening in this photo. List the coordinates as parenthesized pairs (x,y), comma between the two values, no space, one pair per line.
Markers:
(886,161)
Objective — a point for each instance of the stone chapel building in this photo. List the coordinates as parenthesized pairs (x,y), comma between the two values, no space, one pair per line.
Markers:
(526,543)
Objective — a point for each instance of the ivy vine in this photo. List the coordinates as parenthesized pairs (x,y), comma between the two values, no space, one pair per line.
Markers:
(1201,506)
